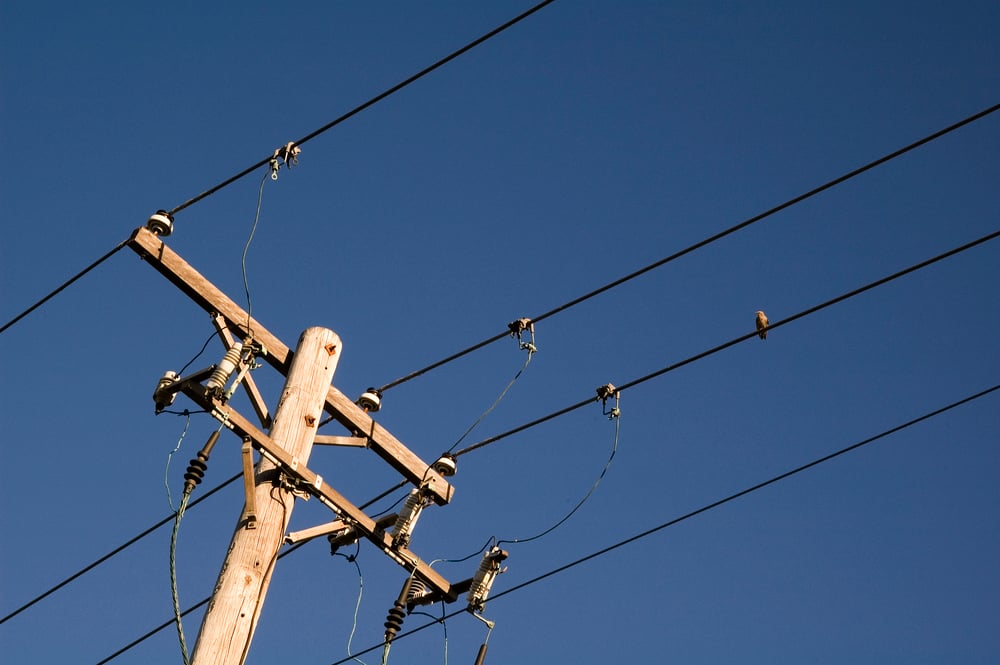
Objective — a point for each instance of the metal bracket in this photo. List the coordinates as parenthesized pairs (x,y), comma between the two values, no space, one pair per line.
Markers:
(250,510)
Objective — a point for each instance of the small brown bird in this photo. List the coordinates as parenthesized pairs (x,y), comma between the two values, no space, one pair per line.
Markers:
(761,324)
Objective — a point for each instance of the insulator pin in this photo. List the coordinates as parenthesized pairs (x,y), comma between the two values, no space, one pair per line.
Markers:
(370,400)
(445,465)
(160,223)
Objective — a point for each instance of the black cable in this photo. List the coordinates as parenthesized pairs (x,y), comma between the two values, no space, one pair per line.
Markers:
(64,285)
(371,102)
(699,511)
(742,493)
(707,241)
(733,342)
(117,550)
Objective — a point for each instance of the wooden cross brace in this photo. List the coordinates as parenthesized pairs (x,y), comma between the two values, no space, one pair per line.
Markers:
(314,484)
(153,250)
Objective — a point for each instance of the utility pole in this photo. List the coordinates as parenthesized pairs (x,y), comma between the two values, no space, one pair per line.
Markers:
(232,614)
(282,472)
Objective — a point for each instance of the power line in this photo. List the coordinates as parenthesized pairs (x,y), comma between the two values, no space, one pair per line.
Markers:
(749,490)
(117,550)
(707,241)
(733,342)
(699,511)
(639,536)
(573,407)
(65,284)
(371,102)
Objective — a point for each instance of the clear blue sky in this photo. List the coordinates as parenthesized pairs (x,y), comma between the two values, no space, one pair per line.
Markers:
(586,142)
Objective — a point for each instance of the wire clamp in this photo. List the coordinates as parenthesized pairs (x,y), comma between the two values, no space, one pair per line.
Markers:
(606,392)
(518,327)
(288,154)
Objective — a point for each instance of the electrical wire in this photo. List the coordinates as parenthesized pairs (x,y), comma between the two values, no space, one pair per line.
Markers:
(563,411)
(64,285)
(121,548)
(357,606)
(644,534)
(604,471)
(170,455)
(749,490)
(198,355)
(741,338)
(173,576)
(707,241)
(531,352)
(704,509)
(371,102)
(246,248)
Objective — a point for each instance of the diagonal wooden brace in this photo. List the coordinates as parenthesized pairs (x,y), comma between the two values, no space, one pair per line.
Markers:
(314,484)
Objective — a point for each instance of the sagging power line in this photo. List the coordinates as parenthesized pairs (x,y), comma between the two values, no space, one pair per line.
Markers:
(699,511)
(742,338)
(576,406)
(702,243)
(371,102)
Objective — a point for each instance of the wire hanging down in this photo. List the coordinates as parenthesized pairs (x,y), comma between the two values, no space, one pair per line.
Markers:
(707,241)
(741,338)
(371,102)
(604,393)
(703,509)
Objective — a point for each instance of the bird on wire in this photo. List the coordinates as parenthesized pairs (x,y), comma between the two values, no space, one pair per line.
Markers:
(761,324)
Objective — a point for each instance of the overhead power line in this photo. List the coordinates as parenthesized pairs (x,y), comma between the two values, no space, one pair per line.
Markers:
(118,550)
(586,402)
(707,241)
(741,338)
(65,284)
(695,513)
(371,102)
(581,404)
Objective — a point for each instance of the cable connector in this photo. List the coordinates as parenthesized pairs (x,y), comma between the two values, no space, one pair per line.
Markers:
(606,392)
(518,327)
(483,580)
(288,154)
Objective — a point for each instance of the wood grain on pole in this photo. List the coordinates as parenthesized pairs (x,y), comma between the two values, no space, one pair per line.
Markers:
(234,609)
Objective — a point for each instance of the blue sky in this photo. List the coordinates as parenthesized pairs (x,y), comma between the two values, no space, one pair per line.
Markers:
(580,145)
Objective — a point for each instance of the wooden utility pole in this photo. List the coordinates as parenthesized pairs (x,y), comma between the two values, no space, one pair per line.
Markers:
(234,609)
(232,614)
